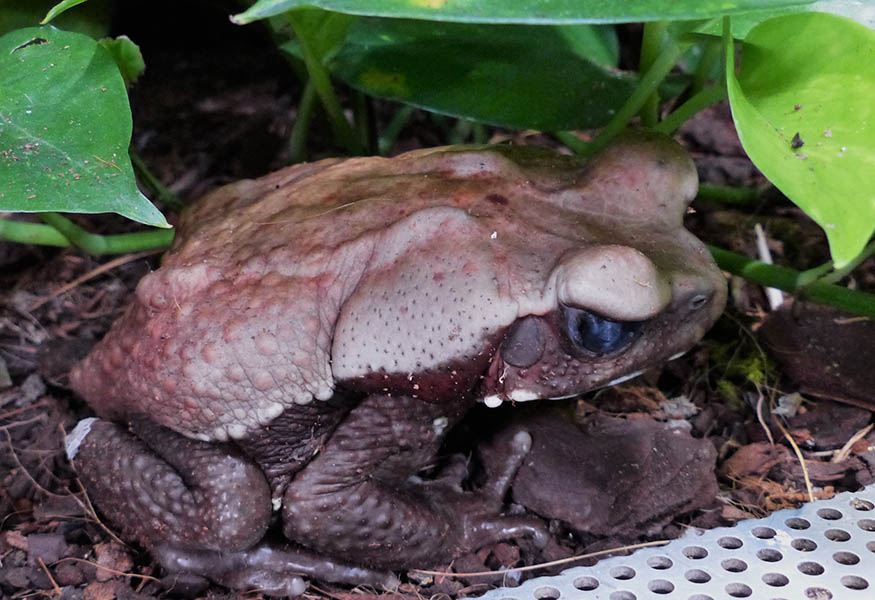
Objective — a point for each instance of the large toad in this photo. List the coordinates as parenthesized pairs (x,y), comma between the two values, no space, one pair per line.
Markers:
(313,335)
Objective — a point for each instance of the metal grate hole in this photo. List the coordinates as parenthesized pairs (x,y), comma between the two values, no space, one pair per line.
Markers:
(659,562)
(730,543)
(733,565)
(622,573)
(830,514)
(804,545)
(797,523)
(660,586)
(739,590)
(547,592)
(769,555)
(846,558)
(860,504)
(697,576)
(776,579)
(764,533)
(824,550)
(695,552)
(810,568)
(853,582)
(586,584)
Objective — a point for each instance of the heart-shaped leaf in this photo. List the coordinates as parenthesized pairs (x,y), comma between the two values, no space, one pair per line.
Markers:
(803,106)
(65,128)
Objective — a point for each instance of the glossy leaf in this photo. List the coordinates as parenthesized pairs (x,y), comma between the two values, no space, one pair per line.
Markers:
(510,75)
(91,19)
(127,57)
(803,107)
(65,127)
(862,11)
(515,11)
(60,8)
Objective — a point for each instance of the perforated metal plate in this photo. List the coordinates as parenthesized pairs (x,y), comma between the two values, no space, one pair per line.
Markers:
(823,550)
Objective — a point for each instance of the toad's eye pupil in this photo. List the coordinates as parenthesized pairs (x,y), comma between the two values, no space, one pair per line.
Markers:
(596,334)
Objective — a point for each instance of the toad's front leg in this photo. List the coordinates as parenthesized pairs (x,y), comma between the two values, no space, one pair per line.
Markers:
(358,498)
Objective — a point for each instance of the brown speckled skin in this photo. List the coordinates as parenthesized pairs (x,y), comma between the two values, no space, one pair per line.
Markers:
(330,321)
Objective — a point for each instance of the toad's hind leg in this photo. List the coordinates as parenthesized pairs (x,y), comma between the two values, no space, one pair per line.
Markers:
(160,487)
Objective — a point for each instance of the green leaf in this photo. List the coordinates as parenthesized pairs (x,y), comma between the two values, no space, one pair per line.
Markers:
(510,75)
(91,19)
(60,8)
(65,127)
(861,12)
(597,43)
(325,30)
(813,74)
(515,11)
(127,57)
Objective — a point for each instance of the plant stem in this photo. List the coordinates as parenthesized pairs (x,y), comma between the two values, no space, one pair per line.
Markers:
(343,131)
(786,279)
(713,52)
(158,189)
(680,115)
(836,275)
(108,244)
(651,48)
(728,195)
(825,274)
(301,128)
(364,120)
(393,129)
(31,233)
(651,80)
(571,141)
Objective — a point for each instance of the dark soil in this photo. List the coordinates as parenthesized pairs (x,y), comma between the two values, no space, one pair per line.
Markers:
(216,104)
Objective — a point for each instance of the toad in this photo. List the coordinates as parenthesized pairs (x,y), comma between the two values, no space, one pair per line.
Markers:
(313,335)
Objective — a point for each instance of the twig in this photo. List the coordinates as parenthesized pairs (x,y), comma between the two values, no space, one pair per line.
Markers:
(56,590)
(801,458)
(760,418)
(552,563)
(846,449)
(116,262)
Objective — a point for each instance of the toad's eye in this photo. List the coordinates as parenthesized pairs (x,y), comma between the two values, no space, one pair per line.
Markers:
(597,334)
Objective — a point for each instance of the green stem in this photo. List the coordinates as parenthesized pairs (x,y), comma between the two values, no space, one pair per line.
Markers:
(651,47)
(728,195)
(301,128)
(394,128)
(680,115)
(31,233)
(713,53)
(651,80)
(786,279)
(364,121)
(572,142)
(108,244)
(158,189)
(838,274)
(825,274)
(343,131)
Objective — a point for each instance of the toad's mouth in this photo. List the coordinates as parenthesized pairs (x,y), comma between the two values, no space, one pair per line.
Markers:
(523,395)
